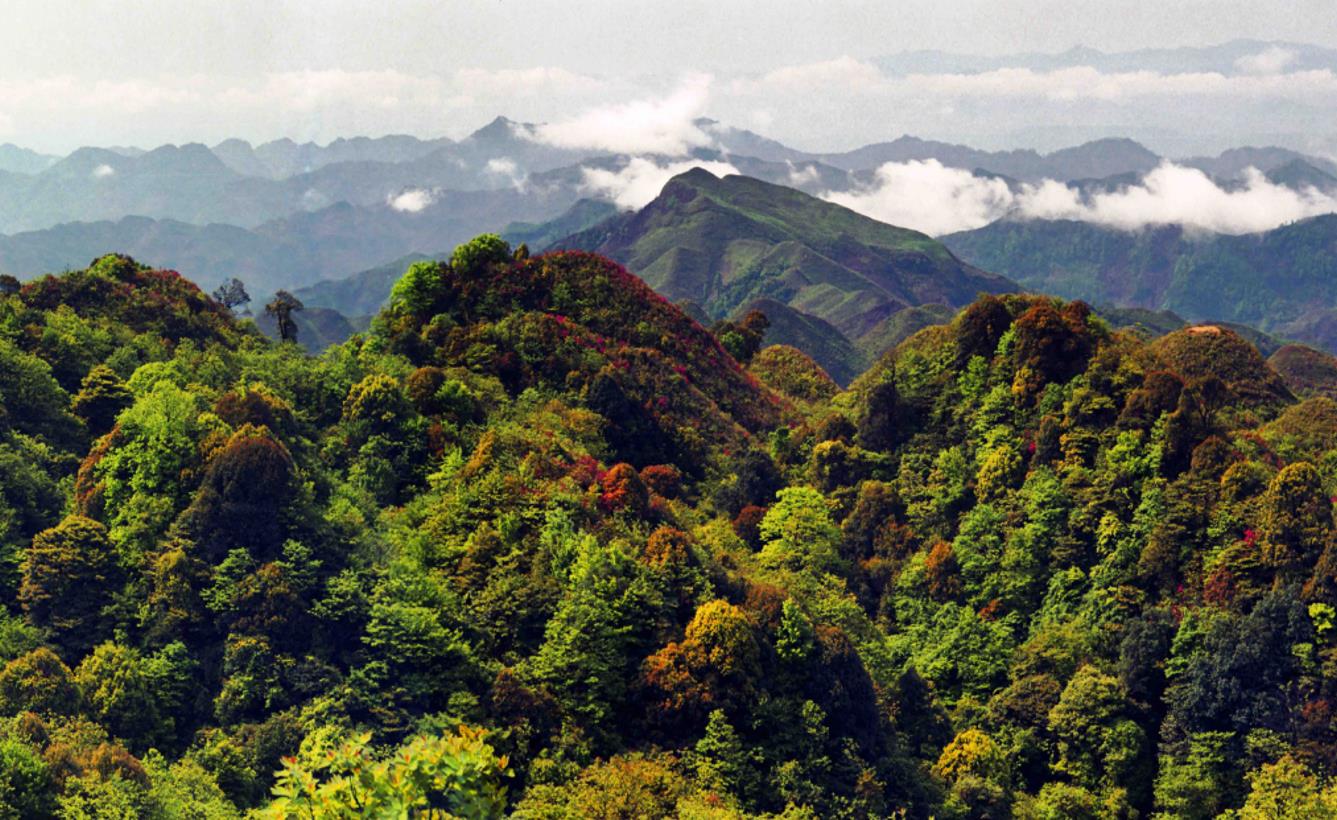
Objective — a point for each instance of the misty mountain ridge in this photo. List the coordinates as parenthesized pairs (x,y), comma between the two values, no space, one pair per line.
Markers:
(239,184)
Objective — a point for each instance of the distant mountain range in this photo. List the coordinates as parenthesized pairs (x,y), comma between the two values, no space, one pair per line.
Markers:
(332,243)
(16,160)
(1283,281)
(323,220)
(235,183)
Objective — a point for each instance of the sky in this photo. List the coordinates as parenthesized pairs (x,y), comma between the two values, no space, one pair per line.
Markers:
(146,72)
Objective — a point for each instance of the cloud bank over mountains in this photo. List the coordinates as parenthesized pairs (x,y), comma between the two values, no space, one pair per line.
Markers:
(1264,93)
(938,200)
(622,139)
(664,125)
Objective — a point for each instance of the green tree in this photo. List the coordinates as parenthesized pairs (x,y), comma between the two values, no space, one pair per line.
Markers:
(1199,784)
(32,401)
(38,682)
(431,777)
(722,760)
(1287,790)
(142,475)
(418,290)
(483,250)
(1297,518)
(1099,745)
(69,576)
(101,397)
(281,309)
(135,696)
(27,789)
(799,533)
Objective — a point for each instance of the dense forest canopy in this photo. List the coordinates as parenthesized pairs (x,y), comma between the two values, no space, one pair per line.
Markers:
(538,544)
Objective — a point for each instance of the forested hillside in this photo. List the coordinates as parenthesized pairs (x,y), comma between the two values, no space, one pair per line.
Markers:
(537,544)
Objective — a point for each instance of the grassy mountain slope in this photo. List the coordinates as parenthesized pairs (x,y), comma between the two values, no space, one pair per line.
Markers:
(724,242)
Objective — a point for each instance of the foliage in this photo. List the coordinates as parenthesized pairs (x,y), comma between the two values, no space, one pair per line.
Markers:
(1025,566)
(430,776)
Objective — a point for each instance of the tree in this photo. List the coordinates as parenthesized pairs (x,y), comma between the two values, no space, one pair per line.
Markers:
(232,293)
(101,397)
(1098,745)
(419,288)
(980,327)
(37,682)
(799,533)
(743,338)
(1297,518)
(722,759)
(879,422)
(143,470)
(623,490)
(623,787)
(132,695)
(246,488)
(794,637)
(32,401)
(281,308)
(1196,786)
(70,575)
(715,664)
(26,786)
(474,256)
(1288,790)
(9,285)
(977,772)
(457,775)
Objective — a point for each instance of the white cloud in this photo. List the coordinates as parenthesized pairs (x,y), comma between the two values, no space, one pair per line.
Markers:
(502,165)
(411,201)
(641,180)
(1271,60)
(928,197)
(664,125)
(103,171)
(1172,194)
(803,175)
(843,72)
(507,168)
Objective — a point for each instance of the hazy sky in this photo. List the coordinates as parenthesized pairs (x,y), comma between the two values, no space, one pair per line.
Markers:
(104,72)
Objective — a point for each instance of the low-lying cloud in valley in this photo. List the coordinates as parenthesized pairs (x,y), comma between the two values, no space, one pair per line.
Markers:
(937,200)
(412,201)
